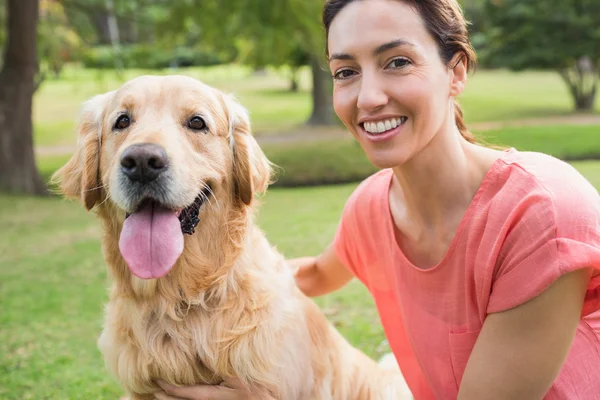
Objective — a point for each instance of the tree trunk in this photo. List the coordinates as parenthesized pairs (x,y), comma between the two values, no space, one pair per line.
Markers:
(18,172)
(101,26)
(582,80)
(585,102)
(321,96)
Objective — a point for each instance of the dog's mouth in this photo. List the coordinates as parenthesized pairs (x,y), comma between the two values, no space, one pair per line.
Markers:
(188,216)
(151,239)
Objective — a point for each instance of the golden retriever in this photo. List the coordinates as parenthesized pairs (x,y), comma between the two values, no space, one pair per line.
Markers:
(198,294)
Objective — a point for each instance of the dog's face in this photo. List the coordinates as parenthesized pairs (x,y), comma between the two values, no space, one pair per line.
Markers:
(157,153)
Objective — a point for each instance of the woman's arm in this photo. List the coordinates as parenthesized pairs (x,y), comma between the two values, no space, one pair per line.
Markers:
(520,352)
(320,275)
(231,389)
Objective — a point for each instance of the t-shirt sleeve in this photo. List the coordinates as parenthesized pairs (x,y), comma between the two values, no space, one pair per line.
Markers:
(553,231)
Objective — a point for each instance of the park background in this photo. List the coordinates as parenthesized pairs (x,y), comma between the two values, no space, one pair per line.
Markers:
(534,89)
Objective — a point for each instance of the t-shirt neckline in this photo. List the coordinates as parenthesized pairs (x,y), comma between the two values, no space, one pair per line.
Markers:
(487,179)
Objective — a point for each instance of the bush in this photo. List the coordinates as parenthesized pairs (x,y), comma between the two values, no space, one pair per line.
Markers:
(142,56)
(318,163)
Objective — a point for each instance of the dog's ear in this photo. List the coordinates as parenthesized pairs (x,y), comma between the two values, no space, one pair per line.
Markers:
(251,168)
(79,177)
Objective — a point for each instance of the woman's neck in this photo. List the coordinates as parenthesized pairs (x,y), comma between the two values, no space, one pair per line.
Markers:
(434,189)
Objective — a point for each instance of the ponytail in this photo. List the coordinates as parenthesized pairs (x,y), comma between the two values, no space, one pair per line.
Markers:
(460,123)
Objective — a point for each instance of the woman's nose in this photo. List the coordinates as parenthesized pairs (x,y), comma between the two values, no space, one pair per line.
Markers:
(372,93)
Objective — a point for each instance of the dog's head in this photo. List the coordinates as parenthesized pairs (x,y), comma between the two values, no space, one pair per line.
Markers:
(161,154)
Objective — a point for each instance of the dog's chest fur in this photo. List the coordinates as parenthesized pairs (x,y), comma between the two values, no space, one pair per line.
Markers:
(203,347)
(139,348)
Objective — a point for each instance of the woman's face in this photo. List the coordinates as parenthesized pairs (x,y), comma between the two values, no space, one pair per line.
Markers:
(391,88)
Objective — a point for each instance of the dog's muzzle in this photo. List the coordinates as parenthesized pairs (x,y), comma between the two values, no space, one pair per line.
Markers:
(143,165)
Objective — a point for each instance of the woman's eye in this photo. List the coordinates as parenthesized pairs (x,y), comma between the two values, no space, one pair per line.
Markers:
(343,74)
(197,123)
(123,122)
(400,62)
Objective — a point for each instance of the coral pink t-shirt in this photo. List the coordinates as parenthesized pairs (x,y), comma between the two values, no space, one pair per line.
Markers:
(533,219)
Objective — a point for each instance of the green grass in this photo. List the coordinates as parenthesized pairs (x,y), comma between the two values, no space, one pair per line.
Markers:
(567,142)
(490,96)
(53,287)
(503,95)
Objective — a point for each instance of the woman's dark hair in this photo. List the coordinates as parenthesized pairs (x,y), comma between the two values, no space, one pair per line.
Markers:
(445,21)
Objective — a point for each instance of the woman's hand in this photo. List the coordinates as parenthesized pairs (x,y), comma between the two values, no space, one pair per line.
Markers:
(230,389)
(321,275)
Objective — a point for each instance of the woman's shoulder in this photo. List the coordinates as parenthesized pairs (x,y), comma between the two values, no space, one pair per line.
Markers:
(549,171)
(528,175)
(372,189)
(540,190)
(364,208)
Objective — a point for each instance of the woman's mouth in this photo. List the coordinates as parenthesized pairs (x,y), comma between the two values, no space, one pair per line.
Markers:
(383,129)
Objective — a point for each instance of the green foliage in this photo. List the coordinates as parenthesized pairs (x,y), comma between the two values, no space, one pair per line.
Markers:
(137,20)
(563,35)
(58,44)
(267,32)
(318,162)
(543,34)
(145,56)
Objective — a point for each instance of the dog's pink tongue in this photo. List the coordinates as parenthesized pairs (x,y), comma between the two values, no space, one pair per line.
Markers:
(151,241)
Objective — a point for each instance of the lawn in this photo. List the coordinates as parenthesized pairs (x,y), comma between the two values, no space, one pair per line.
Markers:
(490,96)
(53,286)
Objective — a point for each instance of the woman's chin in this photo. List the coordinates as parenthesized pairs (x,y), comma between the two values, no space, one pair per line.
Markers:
(386,159)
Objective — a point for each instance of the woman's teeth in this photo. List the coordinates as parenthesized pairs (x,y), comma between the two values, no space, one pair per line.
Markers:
(383,126)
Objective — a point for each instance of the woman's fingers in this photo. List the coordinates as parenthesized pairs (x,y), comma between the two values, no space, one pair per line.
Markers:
(163,396)
(199,392)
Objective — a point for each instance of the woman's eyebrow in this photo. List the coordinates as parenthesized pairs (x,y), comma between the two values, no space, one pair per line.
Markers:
(391,45)
(379,50)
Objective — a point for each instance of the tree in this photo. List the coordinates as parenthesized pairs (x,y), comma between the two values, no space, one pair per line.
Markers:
(560,35)
(18,172)
(273,32)
(57,42)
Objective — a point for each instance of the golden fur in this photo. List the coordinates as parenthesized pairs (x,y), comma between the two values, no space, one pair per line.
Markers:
(230,306)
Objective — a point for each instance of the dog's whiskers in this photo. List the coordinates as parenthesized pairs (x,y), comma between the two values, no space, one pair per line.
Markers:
(94,188)
(212,196)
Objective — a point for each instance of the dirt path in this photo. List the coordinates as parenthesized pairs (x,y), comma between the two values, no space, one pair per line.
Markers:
(321,133)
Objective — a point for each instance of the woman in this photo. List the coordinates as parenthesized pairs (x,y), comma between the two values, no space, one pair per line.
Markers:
(483,263)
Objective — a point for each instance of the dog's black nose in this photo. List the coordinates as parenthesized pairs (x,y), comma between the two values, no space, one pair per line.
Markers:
(144,162)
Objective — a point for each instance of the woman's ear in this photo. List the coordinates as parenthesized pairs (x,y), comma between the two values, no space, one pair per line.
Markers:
(79,177)
(458,74)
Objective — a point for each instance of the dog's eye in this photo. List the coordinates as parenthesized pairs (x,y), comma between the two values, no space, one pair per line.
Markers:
(197,123)
(122,122)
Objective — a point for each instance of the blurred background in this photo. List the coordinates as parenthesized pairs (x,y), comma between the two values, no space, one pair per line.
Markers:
(535,89)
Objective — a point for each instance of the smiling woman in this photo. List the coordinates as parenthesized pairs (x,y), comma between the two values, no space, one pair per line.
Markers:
(483,263)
